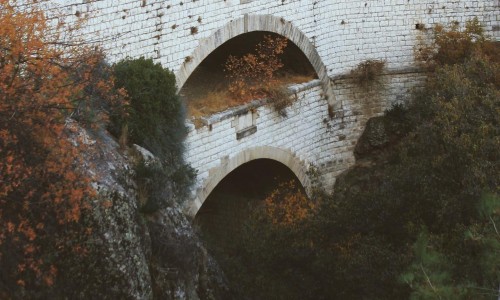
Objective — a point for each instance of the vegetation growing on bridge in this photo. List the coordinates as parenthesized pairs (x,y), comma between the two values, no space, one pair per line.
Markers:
(367,73)
(230,79)
(417,217)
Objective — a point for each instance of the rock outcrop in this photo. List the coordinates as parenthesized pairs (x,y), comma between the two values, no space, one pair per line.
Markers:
(132,255)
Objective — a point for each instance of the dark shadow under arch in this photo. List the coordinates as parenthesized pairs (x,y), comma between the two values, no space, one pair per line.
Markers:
(227,165)
(255,179)
(210,81)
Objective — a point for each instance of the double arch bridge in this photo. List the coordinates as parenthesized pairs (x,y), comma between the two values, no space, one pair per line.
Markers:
(328,113)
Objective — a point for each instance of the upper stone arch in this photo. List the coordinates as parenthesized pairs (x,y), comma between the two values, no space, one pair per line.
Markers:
(250,23)
(227,165)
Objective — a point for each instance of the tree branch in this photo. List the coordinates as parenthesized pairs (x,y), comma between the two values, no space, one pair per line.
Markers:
(429,280)
(494,226)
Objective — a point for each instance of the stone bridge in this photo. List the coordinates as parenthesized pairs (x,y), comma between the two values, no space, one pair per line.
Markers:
(329,114)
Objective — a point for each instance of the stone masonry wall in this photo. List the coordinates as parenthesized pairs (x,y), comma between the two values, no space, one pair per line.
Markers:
(344,32)
(308,132)
(233,132)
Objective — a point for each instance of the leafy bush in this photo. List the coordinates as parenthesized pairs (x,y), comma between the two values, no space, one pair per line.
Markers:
(43,190)
(155,115)
(254,75)
(98,96)
(450,45)
(434,178)
(287,205)
(250,74)
(155,120)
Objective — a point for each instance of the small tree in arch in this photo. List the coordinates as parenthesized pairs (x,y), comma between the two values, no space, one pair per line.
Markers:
(252,75)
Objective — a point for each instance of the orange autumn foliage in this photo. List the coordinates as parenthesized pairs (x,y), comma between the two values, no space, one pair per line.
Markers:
(44,80)
(288,205)
(253,74)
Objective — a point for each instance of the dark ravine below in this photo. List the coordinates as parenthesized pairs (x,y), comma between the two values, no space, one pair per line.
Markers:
(160,255)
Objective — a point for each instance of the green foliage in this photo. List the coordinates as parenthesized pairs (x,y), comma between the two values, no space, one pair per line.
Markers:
(455,46)
(451,45)
(428,275)
(155,116)
(155,120)
(272,250)
(431,274)
(434,178)
(98,96)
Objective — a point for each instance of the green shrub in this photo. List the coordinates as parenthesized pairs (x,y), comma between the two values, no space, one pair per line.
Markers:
(155,115)
(451,45)
(155,121)
(98,96)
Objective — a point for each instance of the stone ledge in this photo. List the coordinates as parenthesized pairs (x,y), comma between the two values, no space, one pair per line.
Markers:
(293,89)
(246,132)
(243,109)
(385,72)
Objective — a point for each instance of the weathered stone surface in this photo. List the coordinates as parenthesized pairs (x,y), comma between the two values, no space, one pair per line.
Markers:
(308,136)
(181,267)
(374,136)
(118,248)
(341,33)
(137,256)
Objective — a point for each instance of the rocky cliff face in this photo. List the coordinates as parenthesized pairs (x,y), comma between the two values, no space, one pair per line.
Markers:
(134,255)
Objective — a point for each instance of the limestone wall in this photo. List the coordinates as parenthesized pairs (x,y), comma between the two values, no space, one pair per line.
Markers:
(344,32)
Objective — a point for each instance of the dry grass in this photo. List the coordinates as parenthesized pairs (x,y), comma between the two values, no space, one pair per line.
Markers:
(280,99)
(206,98)
(210,103)
(289,79)
(367,72)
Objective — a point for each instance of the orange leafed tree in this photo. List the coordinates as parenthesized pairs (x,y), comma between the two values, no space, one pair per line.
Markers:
(43,81)
(288,205)
(251,75)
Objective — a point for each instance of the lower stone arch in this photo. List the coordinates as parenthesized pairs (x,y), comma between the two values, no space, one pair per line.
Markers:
(216,174)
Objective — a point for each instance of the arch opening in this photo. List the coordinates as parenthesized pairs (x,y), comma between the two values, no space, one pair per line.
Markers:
(207,90)
(254,180)
(284,156)
(232,206)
